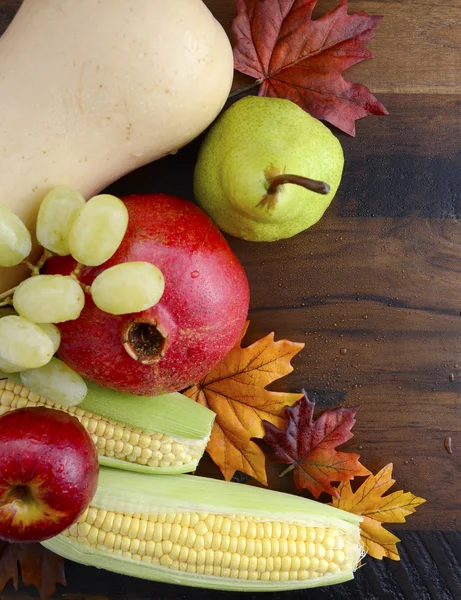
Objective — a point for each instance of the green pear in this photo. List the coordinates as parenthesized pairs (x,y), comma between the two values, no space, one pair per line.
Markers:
(267,170)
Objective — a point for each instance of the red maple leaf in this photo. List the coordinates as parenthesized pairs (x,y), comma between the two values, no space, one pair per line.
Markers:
(295,57)
(310,447)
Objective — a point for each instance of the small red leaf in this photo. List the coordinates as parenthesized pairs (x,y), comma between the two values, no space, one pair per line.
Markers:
(310,446)
(301,59)
(39,567)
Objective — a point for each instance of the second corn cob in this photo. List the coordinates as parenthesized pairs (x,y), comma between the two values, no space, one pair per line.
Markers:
(206,533)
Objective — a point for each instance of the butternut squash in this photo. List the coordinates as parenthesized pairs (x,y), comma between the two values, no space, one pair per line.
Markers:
(93,89)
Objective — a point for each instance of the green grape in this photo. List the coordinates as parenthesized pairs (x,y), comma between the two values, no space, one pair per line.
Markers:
(23,345)
(57,213)
(98,230)
(53,333)
(56,382)
(15,240)
(128,288)
(49,299)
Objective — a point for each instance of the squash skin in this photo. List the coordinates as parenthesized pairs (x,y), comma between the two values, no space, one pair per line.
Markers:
(91,90)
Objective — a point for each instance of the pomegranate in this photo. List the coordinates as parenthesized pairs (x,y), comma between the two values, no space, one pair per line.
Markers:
(197,321)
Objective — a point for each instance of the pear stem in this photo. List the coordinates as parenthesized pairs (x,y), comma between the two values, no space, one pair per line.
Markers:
(320,187)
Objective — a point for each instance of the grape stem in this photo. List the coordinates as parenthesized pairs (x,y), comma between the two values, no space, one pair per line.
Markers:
(32,268)
(47,254)
(35,269)
(75,274)
(6,298)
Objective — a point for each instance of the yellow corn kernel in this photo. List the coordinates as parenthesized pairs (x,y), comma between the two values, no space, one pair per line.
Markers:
(83,529)
(286,563)
(225,543)
(100,518)
(175,532)
(226,560)
(125,544)
(200,528)
(199,543)
(158,532)
(108,522)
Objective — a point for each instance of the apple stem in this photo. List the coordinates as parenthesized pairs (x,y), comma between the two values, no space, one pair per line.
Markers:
(320,187)
(18,492)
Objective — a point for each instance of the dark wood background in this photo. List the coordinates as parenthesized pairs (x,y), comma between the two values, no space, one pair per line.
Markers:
(380,275)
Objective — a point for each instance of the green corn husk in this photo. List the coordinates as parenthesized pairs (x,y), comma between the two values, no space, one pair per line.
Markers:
(206,533)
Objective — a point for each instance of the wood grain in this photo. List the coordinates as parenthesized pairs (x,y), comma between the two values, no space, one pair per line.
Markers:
(379,276)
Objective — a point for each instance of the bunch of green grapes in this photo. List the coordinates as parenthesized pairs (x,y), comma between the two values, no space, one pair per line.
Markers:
(91,232)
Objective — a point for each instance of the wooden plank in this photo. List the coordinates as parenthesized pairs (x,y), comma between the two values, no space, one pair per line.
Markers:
(402,364)
(429,570)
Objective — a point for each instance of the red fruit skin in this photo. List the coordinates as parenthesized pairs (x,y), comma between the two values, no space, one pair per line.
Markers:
(203,309)
(49,453)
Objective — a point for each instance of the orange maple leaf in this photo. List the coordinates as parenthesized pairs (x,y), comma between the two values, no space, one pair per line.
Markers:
(235,391)
(39,567)
(375,508)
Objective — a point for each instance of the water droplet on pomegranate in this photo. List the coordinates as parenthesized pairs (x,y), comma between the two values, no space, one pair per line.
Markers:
(343,351)
(194,274)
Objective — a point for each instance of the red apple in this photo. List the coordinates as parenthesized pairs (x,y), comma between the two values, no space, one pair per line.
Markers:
(48,473)
(195,324)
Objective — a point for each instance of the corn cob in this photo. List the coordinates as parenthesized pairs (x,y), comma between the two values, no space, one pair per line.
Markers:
(162,434)
(207,533)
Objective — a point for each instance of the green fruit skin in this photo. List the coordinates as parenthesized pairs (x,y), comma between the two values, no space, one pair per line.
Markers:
(256,134)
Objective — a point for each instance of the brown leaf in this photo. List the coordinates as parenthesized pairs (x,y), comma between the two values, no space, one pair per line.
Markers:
(369,502)
(39,567)
(310,446)
(295,57)
(235,391)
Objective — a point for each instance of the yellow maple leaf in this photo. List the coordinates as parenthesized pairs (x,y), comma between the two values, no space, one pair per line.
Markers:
(235,391)
(375,508)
